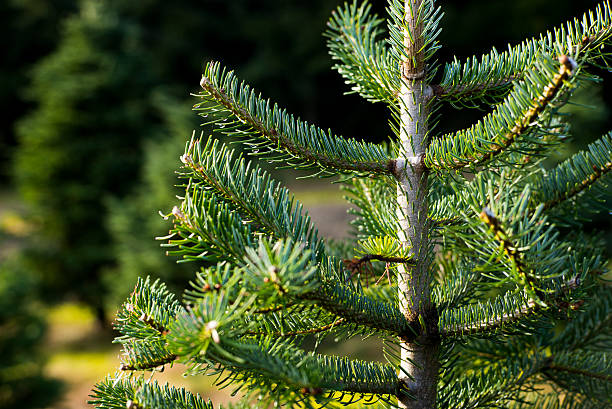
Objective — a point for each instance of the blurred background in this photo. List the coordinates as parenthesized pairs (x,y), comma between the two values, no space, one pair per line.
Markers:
(96,109)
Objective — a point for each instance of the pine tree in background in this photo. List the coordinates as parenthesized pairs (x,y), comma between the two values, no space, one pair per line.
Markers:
(486,299)
(89,93)
(33,29)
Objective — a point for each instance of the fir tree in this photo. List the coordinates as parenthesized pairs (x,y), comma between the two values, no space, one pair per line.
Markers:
(485,297)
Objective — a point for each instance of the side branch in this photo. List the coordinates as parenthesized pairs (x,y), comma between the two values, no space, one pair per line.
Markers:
(577,371)
(452,324)
(388,259)
(493,324)
(136,393)
(598,174)
(359,309)
(283,133)
(211,168)
(286,273)
(146,319)
(363,60)
(151,364)
(514,255)
(471,91)
(489,77)
(470,148)
(310,331)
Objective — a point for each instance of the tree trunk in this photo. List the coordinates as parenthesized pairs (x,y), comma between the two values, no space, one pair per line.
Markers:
(419,358)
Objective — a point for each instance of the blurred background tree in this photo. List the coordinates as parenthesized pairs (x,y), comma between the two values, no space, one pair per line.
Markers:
(81,143)
(30,29)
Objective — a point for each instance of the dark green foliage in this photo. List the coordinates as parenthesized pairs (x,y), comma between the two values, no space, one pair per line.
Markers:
(33,29)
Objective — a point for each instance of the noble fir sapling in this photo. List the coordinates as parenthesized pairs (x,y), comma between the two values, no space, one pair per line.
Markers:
(494,295)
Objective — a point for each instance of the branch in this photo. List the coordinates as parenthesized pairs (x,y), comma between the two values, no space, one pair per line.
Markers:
(150,364)
(148,311)
(471,91)
(581,371)
(284,271)
(364,61)
(506,311)
(491,385)
(274,130)
(597,174)
(493,324)
(576,174)
(357,308)
(592,329)
(274,308)
(249,192)
(146,319)
(274,366)
(300,332)
(207,228)
(555,400)
(515,256)
(578,371)
(489,77)
(139,394)
(494,134)
(388,259)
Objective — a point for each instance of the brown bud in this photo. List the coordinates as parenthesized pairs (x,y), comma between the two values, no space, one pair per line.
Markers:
(576,305)
(568,62)
(311,391)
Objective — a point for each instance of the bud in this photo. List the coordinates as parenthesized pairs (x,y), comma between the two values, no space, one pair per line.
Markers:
(186,159)
(212,327)
(569,62)
(176,212)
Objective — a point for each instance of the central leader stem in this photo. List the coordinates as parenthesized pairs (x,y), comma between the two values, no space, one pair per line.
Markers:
(419,358)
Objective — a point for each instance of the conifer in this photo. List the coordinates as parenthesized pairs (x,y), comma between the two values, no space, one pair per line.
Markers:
(494,297)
